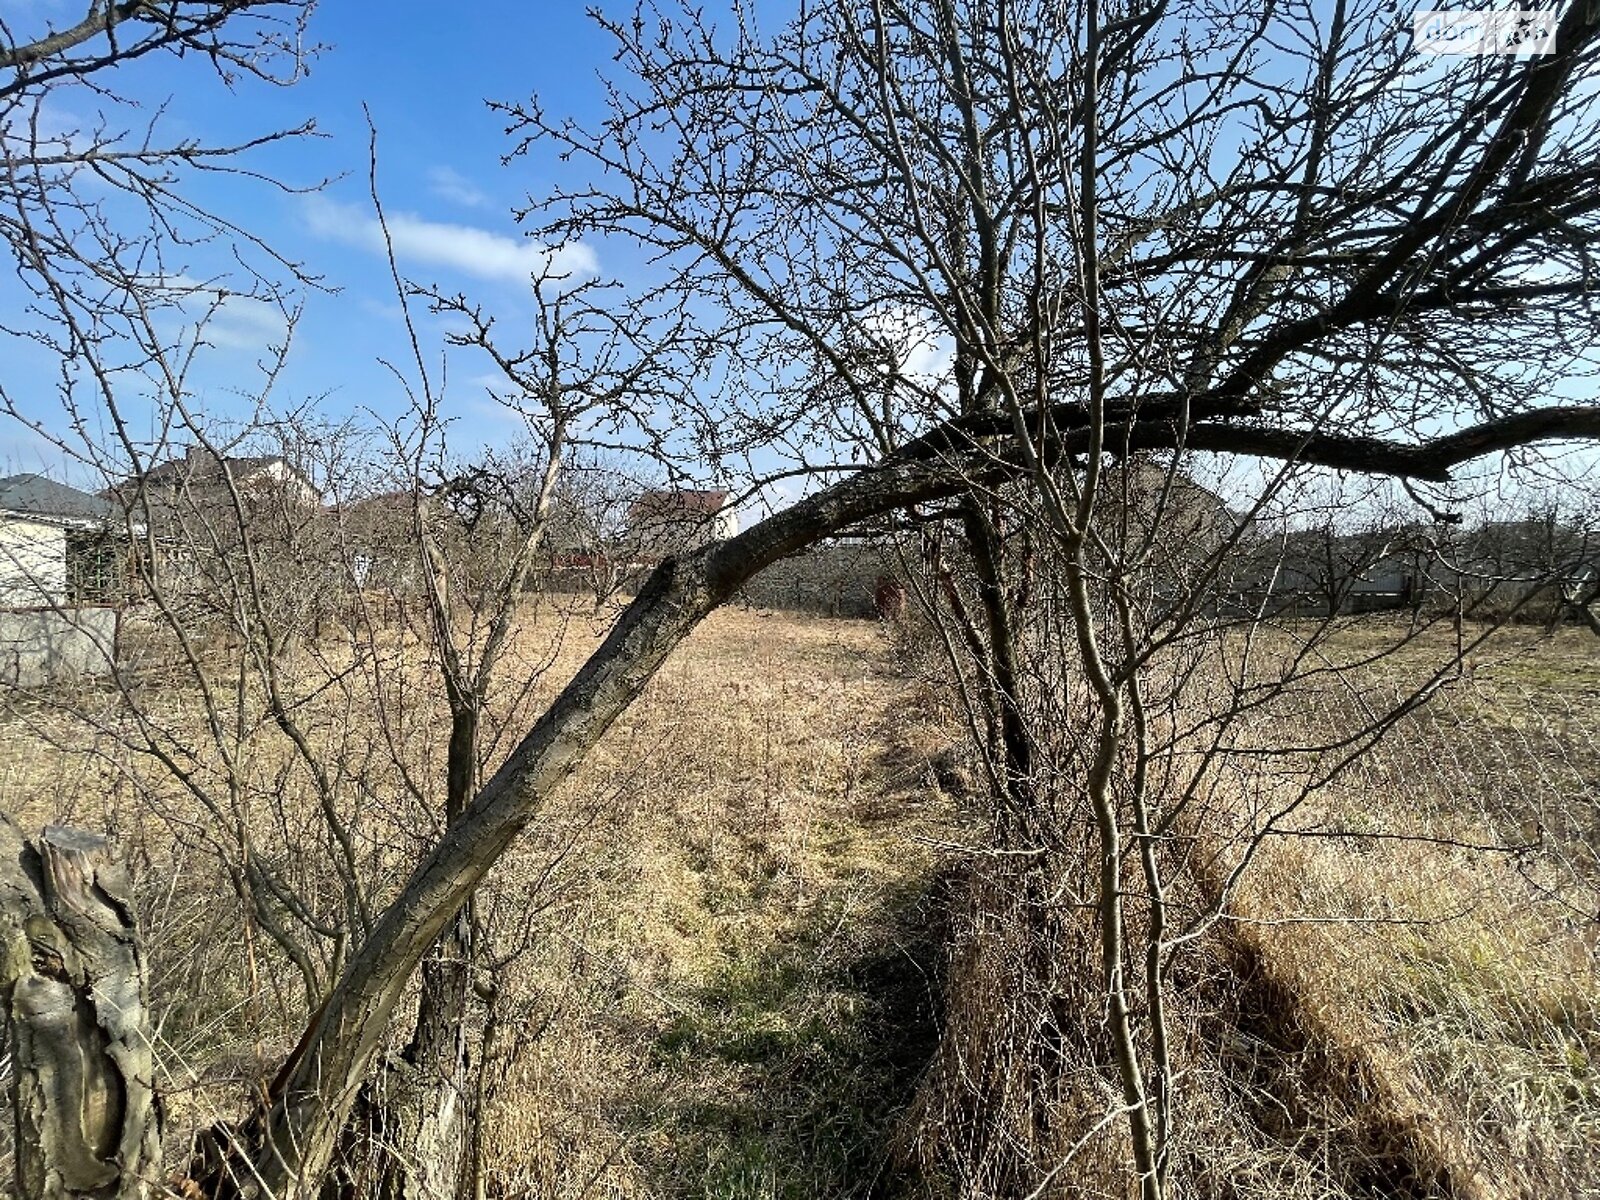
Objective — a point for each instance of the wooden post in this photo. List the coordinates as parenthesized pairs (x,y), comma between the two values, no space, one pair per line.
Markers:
(72,1012)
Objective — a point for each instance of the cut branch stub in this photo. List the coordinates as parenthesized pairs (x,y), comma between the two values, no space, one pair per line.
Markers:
(72,995)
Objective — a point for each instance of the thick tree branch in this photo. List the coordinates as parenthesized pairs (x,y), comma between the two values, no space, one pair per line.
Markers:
(1431,460)
(134,29)
(320,1082)
(334,1057)
(101,19)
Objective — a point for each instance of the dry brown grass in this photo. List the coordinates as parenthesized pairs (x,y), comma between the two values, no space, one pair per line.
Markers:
(715,939)
(726,973)
(1460,982)
(1386,1012)
(721,955)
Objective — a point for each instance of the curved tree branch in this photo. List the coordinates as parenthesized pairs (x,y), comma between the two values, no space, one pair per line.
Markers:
(320,1081)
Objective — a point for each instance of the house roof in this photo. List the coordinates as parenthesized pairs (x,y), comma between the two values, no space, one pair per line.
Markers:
(680,501)
(201,470)
(199,464)
(39,496)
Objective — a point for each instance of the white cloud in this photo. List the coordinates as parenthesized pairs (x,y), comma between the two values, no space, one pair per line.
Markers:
(484,409)
(1546,270)
(923,351)
(449,184)
(463,248)
(382,310)
(226,320)
(243,323)
(49,131)
(496,383)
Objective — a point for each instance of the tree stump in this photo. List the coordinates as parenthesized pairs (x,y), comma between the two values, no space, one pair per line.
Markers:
(73,1015)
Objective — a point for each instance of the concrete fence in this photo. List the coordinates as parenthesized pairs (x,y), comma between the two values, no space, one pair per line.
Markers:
(41,646)
(834,581)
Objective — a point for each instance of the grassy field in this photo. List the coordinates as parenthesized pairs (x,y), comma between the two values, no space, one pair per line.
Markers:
(734,993)
(717,944)
(718,951)
(1438,930)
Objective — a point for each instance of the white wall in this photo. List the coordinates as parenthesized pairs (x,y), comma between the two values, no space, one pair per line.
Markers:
(42,648)
(33,563)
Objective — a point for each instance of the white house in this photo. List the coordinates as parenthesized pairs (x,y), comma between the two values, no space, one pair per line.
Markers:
(670,521)
(55,543)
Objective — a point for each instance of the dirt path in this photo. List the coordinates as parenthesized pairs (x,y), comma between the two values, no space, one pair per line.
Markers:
(733,995)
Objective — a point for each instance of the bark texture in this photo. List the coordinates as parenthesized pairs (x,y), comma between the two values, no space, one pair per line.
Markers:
(413,1130)
(72,994)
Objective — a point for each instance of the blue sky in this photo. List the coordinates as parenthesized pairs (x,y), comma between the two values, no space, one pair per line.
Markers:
(424,71)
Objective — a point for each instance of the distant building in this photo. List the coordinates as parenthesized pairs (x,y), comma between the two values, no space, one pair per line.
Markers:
(200,508)
(378,540)
(1176,510)
(58,545)
(1324,571)
(662,522)
(1498,568)
(201,475)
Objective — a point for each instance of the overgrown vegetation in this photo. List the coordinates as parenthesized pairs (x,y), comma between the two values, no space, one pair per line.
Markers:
(1152,882)
(740,931)
(726,936)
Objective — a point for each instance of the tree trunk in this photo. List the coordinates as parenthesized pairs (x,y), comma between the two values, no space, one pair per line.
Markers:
(320,1082)
(72,994)
(431,1092)
(412,1130)
(424,1101)
(1016,749)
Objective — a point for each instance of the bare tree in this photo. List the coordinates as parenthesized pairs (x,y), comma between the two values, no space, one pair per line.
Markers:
(483,530)
(589,544)
(1385,251)
(1132,236)
(98,224)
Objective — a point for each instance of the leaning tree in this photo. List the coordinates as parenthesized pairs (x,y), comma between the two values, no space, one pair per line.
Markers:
(1136,231)
(1070,256)
(984,264)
